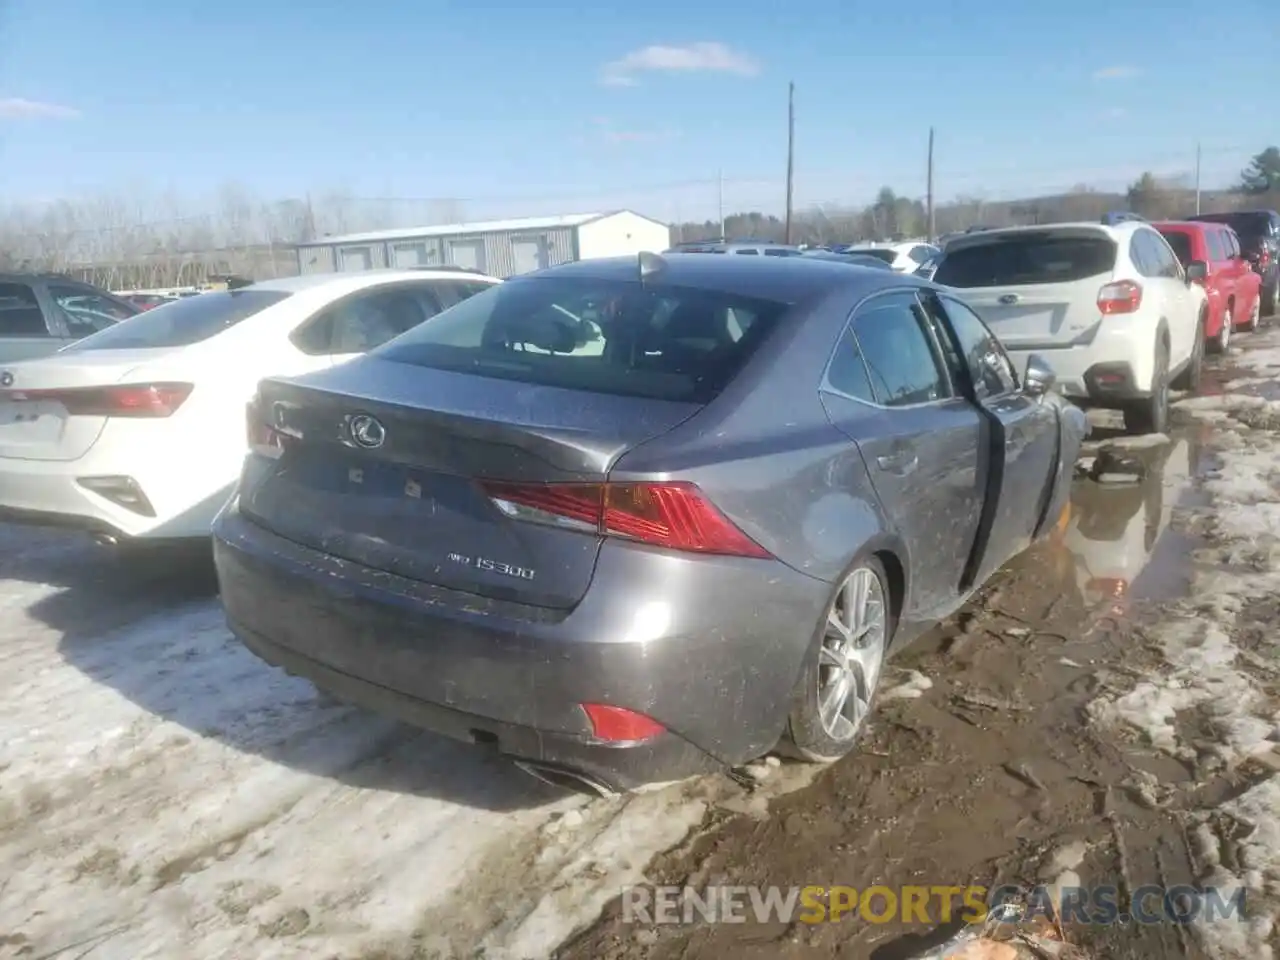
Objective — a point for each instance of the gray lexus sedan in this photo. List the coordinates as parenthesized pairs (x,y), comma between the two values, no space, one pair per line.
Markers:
(630,520)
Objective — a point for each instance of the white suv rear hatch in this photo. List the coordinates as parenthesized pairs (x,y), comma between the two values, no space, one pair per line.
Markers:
(1038,288)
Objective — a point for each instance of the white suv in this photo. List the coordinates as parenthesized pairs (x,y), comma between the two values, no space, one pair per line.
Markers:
(1107,304)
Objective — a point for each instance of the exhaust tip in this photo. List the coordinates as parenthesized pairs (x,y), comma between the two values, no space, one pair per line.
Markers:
(566,779)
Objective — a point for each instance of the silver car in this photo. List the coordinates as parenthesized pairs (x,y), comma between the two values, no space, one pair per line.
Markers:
(629,521)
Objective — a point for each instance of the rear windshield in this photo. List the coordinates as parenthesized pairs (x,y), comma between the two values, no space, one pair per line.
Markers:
(888,256)
(181,322)
(1181,244)
(1026,259)
(605,336)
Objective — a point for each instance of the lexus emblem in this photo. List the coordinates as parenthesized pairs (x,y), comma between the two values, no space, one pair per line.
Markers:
(6,379)
(1009,298)
(367,432)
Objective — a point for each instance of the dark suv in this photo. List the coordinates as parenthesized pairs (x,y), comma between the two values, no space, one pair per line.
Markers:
(42,312)
(1259,232)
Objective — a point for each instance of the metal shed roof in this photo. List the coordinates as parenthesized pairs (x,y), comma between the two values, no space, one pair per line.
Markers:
(453,229)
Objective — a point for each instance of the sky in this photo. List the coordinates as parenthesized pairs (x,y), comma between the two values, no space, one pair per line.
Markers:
(663,106)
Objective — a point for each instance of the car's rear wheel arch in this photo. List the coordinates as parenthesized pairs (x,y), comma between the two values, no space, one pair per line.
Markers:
(896,576)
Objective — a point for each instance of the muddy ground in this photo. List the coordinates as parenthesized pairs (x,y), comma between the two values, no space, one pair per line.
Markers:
(997,765)
(165,794)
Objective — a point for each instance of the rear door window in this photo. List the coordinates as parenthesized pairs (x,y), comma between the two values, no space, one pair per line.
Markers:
(1027,259)
(1214,240)
(182,322)
(20,314)
(605,336)
(904,369)
(1166,263)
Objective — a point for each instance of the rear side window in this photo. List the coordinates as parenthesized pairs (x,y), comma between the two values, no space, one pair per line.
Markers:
(604,336)
(1181,244)
(20,314)
(778,252)
(747,253)
(1027,259)
(182,322)
(900,359)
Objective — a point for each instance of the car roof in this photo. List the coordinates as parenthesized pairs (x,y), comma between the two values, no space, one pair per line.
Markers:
(312,281)
(1199,225)
(781,279)
(1114,231)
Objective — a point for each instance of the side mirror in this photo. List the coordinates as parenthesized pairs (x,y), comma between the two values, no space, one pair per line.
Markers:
(1039,377)
(1197,270)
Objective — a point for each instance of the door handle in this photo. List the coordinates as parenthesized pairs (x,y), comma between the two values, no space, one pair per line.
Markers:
(901,463)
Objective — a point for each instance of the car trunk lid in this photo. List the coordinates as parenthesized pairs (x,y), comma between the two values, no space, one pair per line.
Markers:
(1036,289)
(384,463)
(43,402)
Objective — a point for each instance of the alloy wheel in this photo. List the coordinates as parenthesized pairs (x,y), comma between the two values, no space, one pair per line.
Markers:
(852,654)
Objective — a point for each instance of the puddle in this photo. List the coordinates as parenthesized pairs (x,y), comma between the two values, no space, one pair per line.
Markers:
(1233,379)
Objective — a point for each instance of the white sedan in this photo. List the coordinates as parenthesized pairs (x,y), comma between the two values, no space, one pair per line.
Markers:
(138,431)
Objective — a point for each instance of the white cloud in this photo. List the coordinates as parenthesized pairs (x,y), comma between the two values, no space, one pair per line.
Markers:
(1116,73)
(16,108)
(704,57)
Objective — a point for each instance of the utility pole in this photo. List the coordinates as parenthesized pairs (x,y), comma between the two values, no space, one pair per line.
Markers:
(720,203)
(791,152)
(929,187)
(1197,179)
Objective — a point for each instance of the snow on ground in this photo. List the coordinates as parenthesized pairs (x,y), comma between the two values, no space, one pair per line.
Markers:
(163,793)
(1234,688)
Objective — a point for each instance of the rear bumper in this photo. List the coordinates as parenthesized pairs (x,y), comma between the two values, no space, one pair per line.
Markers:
(46,493)
(1094,377)
(708,647)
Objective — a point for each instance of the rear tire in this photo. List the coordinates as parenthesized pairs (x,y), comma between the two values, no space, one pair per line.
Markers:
(1219,344)
(836,689)
(1253,322)
(1152,414)
(1271,297)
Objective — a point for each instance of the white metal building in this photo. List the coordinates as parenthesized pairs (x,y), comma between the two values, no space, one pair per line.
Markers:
(500,248)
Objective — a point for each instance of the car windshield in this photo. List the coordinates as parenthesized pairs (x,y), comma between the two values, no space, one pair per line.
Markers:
(181,322)
(1181,244)
(1024,259)
(605,336)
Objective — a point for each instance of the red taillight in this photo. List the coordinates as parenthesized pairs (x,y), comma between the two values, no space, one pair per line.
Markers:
(1264,258)
(130,400)
(1123,296)
(264,439)
(619,725)
(672,515)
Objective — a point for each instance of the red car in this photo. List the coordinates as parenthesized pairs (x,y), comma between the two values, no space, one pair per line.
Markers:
(1232,286)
